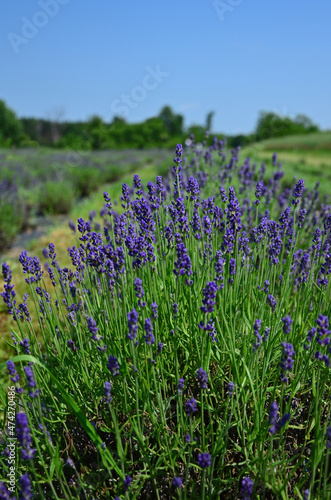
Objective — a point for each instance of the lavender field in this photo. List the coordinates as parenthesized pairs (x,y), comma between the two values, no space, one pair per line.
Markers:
(185,353)
(39,182)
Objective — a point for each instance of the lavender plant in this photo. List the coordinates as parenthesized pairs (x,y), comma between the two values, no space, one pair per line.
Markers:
(150,375)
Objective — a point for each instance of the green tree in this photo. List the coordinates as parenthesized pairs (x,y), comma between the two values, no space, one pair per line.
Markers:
(173,123)
(198,131)
(209,120)
(306,122)
(96,132)
(11,130)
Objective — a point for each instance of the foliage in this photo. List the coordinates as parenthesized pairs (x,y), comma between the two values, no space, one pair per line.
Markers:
(160,131)
(186,352)
(11,213)
(56,197)
(273,125)
(11,130)
(86,180)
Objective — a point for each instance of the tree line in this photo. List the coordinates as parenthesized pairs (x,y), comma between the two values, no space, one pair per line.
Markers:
(163,130)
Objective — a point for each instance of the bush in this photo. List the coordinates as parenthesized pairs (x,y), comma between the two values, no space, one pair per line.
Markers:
(11,214)
(56,198)
(85,180)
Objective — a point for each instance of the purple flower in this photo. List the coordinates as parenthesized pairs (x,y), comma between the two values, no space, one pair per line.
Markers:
(175,309)
(219,265)
(297,192)
(272,302)
(25,343)
(92,326)
(127,482)
(323,332)
(191,407)
(224,197)
(266,333)
(154,308)
(257,327)
(132,324)
(287,321)
(274,159)
(302,216)
(232,269)
(31,381)
(5,494)
(328,437)
(202,378)
(258,192)
(138,286)
(137,185)
(305,495)
(149,337)
(183,265)
(204,460)
(24,436)
(193,188)
(177,482)
(246,488)
(72,226)
(9,294)
(209,297)
(71,345)
(12,371)
(180,386)
(25,488)
(107,392)
(125,194)
(160,189)
(282,421)
(287,360)
(113,366)
(323,357)
(31,266)
(273,415)
(230,388)
(233,212)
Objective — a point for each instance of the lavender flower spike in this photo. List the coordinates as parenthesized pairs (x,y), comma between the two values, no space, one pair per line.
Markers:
(246,488)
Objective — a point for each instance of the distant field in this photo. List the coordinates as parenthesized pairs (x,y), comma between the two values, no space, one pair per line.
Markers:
(306,156)
(41,181)
(319,141)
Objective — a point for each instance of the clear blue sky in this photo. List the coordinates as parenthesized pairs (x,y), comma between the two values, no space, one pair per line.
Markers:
(73,58)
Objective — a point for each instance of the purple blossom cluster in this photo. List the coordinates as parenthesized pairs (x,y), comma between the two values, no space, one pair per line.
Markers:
(276,424)
(257,328)
(132,324)
(287,321)
(191,407)
(246,489)
(204,460)
(24,436)
(209,293)
(287,360)
(31,381)
(202,378)
(113,366)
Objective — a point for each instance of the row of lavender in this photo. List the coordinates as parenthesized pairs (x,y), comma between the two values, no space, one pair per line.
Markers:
(186,353)
(35,183)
